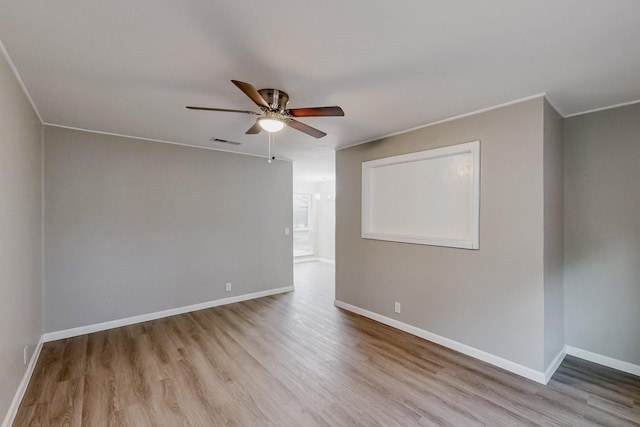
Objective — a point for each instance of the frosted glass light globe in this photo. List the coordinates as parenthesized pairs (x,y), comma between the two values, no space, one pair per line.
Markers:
(271,125)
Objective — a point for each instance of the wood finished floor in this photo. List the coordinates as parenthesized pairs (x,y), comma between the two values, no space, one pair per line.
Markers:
(296,360)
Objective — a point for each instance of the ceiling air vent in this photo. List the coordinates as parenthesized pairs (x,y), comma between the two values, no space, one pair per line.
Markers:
(224,141)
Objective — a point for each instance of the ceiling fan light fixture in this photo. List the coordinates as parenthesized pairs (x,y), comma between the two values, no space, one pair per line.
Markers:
(270,124)
(274,115)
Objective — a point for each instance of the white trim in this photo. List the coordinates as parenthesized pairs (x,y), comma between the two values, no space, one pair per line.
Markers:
(142,138)
(555,364)
(22,387)
(42,222)
(301,259)
(424,237)
(304,258)
(6,56)
(607,361)
(97,327)
(450,119)
(484,110)
(505,364)
(609,107)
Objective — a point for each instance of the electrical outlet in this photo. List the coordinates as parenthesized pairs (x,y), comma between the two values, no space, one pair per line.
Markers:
(286,231)
(397,308)
(228,287)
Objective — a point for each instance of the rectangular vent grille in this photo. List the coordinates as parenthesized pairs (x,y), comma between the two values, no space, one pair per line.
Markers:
(224,141)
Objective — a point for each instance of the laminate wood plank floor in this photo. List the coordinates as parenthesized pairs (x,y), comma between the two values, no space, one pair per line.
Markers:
(296,360)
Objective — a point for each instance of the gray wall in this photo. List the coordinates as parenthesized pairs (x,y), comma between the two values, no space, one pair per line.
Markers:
(135,227)
(20,232)
(492,298)
(602,232)
(553,234)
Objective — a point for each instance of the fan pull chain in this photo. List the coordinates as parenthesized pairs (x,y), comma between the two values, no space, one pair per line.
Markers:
(270,142)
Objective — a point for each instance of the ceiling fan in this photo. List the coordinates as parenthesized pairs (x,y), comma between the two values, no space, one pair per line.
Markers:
(275,115)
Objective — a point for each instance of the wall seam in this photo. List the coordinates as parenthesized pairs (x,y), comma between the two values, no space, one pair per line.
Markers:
(42,230)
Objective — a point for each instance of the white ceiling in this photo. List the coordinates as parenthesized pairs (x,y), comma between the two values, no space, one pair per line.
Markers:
(130,67)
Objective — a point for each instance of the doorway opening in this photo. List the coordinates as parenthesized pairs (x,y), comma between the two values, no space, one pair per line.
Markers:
(314,206)
(302,226)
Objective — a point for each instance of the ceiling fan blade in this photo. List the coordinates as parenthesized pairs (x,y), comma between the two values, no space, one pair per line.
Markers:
(305,128)
(223,109)
(251,92)
(256,128)
(316,111)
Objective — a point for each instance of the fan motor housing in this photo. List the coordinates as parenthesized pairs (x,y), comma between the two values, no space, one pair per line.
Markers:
(276,98)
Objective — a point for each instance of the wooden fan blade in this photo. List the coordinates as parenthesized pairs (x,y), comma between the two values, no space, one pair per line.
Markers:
(256,128)
(305,128)
(251,92)
(316,111)
(223,109)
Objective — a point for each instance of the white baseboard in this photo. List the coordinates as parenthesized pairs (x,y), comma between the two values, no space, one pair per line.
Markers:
(22,387)
(607,361)
(540,377)
(305,258)
(492,359)
(82,330)
(97,327)
(555,364)
(300,260)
